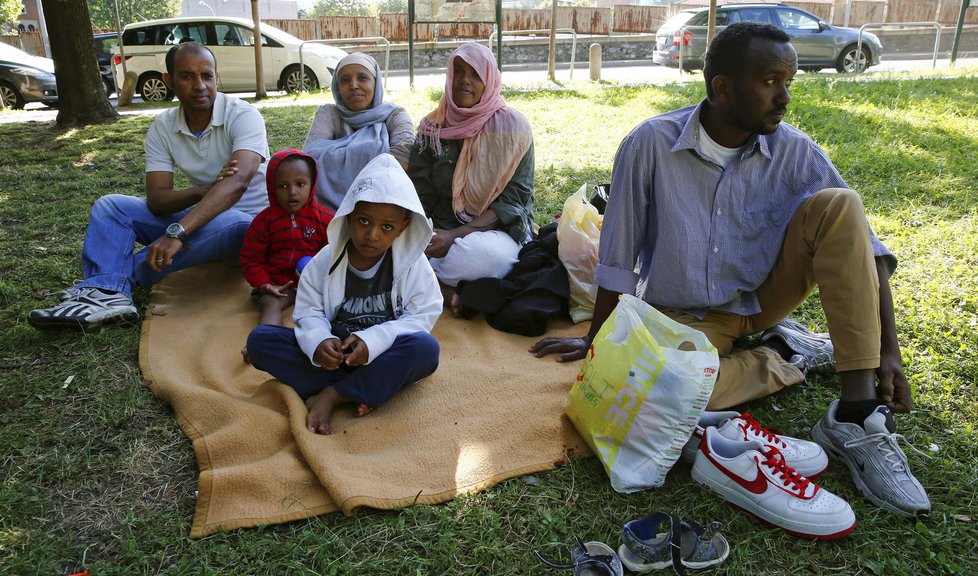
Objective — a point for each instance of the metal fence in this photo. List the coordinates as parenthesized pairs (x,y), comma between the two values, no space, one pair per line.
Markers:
(542,32)
(30,42)
(394,26)
(620,19)
(901,25)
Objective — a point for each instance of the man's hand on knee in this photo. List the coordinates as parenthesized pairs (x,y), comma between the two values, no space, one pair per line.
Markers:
(161,252)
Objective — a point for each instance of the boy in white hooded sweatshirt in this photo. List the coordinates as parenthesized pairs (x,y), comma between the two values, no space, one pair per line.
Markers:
(365,306)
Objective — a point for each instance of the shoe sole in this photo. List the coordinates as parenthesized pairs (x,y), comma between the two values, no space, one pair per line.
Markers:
(825,442)
(59,324)
(747,506)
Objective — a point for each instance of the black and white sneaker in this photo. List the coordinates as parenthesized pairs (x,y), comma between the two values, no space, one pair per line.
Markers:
(86,308)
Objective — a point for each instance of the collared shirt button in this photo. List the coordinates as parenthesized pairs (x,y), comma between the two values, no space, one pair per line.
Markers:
(719,211)
(716,249)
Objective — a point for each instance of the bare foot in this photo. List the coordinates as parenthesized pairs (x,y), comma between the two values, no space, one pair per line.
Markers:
(362,410)
(456,305)
(244,355)
(321,411)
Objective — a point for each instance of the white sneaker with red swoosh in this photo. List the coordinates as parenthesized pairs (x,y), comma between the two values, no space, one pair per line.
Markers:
(803,455)
(755,478)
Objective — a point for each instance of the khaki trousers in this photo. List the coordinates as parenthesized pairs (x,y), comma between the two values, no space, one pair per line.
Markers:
(827,244)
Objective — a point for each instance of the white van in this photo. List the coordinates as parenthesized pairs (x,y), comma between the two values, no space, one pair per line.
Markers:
(232,41)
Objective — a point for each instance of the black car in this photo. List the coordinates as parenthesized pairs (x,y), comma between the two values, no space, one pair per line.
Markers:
(25,78)
(104,44)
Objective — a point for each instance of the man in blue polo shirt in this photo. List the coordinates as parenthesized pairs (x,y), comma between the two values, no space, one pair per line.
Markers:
(733,217)
(177,228)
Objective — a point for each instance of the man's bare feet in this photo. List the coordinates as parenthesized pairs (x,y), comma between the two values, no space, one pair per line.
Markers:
(244,355)
(321,411)
(362,410)
(455,305)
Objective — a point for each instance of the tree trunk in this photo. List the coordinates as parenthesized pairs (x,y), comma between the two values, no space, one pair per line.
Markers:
(81,93)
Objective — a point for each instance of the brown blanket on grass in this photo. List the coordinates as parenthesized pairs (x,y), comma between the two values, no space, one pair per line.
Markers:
(490,412)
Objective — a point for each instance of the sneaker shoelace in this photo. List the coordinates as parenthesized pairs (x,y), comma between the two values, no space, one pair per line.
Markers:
(819,361)
(752,425)
(709,531)
(791,478)
(888,445)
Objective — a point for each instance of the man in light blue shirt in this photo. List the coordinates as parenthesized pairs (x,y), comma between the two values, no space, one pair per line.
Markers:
(733,217)
(220,145)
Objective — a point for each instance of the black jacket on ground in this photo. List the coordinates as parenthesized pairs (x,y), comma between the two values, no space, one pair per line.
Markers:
(534,291)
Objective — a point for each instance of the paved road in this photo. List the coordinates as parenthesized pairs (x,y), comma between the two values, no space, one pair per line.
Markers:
(533,75)
(644,72)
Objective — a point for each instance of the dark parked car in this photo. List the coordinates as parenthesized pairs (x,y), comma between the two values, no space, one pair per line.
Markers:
(818,43)
(104,44)
(25,78)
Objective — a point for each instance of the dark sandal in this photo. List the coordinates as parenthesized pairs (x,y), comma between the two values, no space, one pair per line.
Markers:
(590,559)
(683,544)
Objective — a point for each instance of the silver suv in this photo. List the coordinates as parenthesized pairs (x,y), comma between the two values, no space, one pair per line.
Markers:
(818,44)
(232,41)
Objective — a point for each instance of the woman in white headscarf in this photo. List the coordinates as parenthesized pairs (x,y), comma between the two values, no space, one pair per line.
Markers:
(345,136)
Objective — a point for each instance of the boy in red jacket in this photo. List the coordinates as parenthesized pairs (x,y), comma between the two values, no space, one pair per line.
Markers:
(293,226)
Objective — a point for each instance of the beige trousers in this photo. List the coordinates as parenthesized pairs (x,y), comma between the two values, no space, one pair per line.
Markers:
(827,244)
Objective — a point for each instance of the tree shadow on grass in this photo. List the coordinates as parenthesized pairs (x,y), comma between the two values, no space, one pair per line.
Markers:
(665,98)
(540,92)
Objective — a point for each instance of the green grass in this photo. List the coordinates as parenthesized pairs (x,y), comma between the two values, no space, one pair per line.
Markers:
(95,471)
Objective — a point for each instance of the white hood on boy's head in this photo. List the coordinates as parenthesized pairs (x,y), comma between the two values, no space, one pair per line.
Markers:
(383,181)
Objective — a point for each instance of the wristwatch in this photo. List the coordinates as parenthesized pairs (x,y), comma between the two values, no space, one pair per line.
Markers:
(177,231)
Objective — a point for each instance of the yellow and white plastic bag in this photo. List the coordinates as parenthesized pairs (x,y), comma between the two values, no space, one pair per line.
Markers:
(643,385)
(578,233)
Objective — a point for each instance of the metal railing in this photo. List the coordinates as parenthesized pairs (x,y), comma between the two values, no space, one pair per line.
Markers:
(360,40)
(682,43)
(883,25)
(570,31)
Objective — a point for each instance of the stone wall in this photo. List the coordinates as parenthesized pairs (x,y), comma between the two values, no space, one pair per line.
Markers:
(922,41)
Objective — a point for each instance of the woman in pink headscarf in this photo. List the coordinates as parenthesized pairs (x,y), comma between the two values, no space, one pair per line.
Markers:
(472,165)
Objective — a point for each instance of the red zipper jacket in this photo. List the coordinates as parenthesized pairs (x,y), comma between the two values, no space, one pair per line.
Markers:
(277,238)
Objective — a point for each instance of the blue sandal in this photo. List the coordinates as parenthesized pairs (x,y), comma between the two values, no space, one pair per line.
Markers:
(683,544)
(590,559)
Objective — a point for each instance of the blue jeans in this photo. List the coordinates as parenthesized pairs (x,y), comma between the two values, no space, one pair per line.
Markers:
(274,349)
(119,222)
